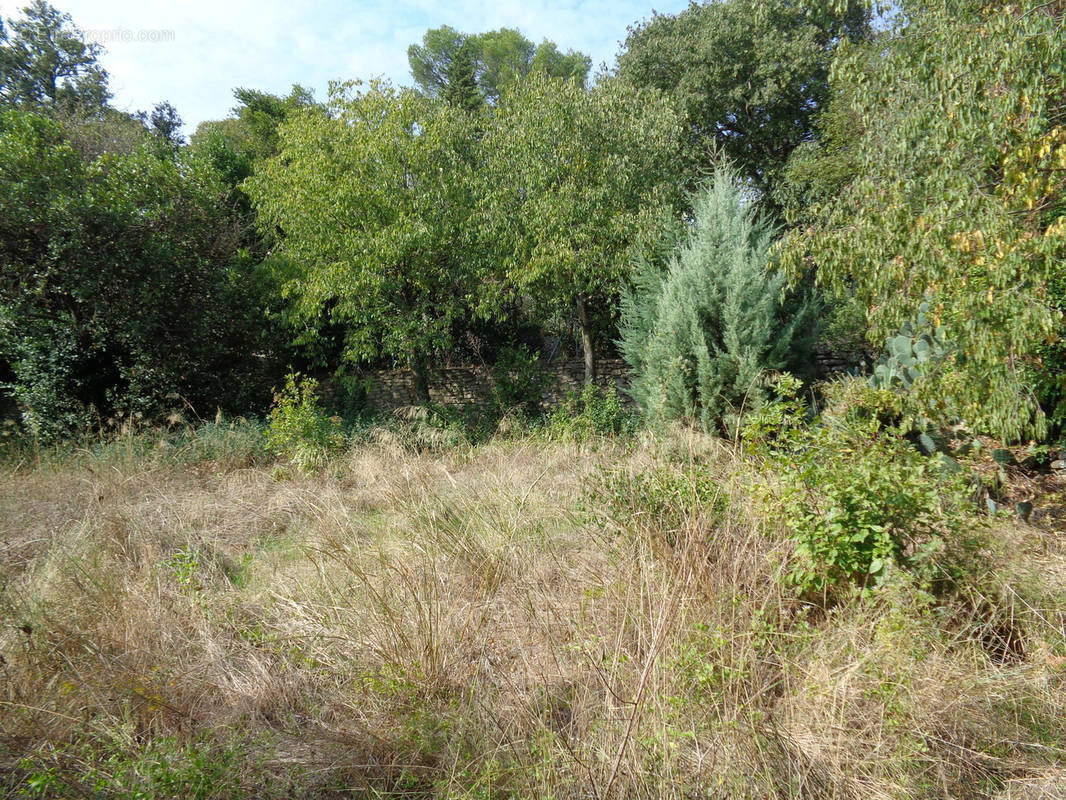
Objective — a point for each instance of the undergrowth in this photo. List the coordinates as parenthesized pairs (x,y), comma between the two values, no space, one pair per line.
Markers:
(528,616)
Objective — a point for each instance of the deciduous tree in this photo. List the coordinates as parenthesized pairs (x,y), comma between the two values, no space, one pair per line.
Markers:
(573,180)
(748,76)
(500,57)
(46,64)
(372,200)
(941,179)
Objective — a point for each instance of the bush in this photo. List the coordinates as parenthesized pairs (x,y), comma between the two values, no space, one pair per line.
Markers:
(299,428)
(699,333)
(593,413)
(858,499)
(132,288)
(517,381)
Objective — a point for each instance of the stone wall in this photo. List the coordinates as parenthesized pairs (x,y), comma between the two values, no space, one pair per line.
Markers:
(388,390)
(472,385)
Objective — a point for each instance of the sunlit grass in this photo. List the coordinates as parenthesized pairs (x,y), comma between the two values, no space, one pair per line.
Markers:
(184,617)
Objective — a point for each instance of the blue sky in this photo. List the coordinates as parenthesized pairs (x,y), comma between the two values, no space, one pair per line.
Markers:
(195,53)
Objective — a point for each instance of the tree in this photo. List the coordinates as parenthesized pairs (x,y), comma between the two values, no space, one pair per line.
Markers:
(120,283)
(165,123)
(574,181)
(238,144)
(699,332)
(748,76)
(462,90)
(945,150)
(45,64)
(430,60)
(372,200)
(500,57)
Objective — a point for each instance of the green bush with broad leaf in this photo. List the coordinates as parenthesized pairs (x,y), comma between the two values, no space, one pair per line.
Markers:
(699,331)
(594,413)
(518,382)
(858,499)
(300,430)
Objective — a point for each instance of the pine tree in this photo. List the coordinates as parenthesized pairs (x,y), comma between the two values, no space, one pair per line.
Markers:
(462,90)
(699,330)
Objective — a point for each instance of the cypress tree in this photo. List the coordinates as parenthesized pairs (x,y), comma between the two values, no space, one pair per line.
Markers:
(462,90)
(700,329)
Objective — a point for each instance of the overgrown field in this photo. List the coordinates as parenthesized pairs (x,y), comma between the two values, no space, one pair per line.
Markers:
(186,616)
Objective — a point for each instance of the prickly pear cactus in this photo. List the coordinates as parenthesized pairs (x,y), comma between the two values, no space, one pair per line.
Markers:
(914,350)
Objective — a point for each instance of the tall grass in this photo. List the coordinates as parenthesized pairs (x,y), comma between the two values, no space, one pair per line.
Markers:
(523,618)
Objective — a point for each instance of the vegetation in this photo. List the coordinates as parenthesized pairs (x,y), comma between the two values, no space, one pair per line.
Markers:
(701,332)
(939,179)
(616,616)
(488,61)
(709,578)
(574,183)
(103,261)
(748,77)
(372,197)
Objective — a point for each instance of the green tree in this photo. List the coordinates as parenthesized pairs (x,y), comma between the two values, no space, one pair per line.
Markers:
(462,90)
(940,179)
(430,60)
(500,57)
(700,332)
(120,283)
(252,130)
(373,201)
(46,64)
(748,76)
(574,181)
(165,123)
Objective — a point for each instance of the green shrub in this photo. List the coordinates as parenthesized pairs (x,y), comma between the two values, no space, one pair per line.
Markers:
(858,499)
(133,286)
(517,381)
(595,412)
(299,428)
(699,333)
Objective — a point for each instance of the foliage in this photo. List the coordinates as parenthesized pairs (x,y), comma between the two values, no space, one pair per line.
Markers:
(373,199)
(46,65)
(700,332)
(120,286)
(497,58)
(300,430)
(748,76)
(593,413)
(123,768)
(165,123)
(912,354)
(253,129)
(940,178)
(572,182)
(663,498)
(857,498)
(462,90)
(518,381)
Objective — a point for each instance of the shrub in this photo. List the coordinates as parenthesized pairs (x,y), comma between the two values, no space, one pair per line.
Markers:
(593,413)
(699,333)
(517,381)
(299,428)
(858,499)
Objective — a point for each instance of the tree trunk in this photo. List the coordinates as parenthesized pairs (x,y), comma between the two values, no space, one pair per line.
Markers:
(421,376)
(586,341)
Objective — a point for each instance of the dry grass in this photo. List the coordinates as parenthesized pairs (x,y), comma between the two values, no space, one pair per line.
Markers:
(489,622)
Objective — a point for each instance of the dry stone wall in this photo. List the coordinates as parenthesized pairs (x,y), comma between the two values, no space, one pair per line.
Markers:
(388,390)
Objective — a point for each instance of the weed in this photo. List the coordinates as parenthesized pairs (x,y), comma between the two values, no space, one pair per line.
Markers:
(299,429)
